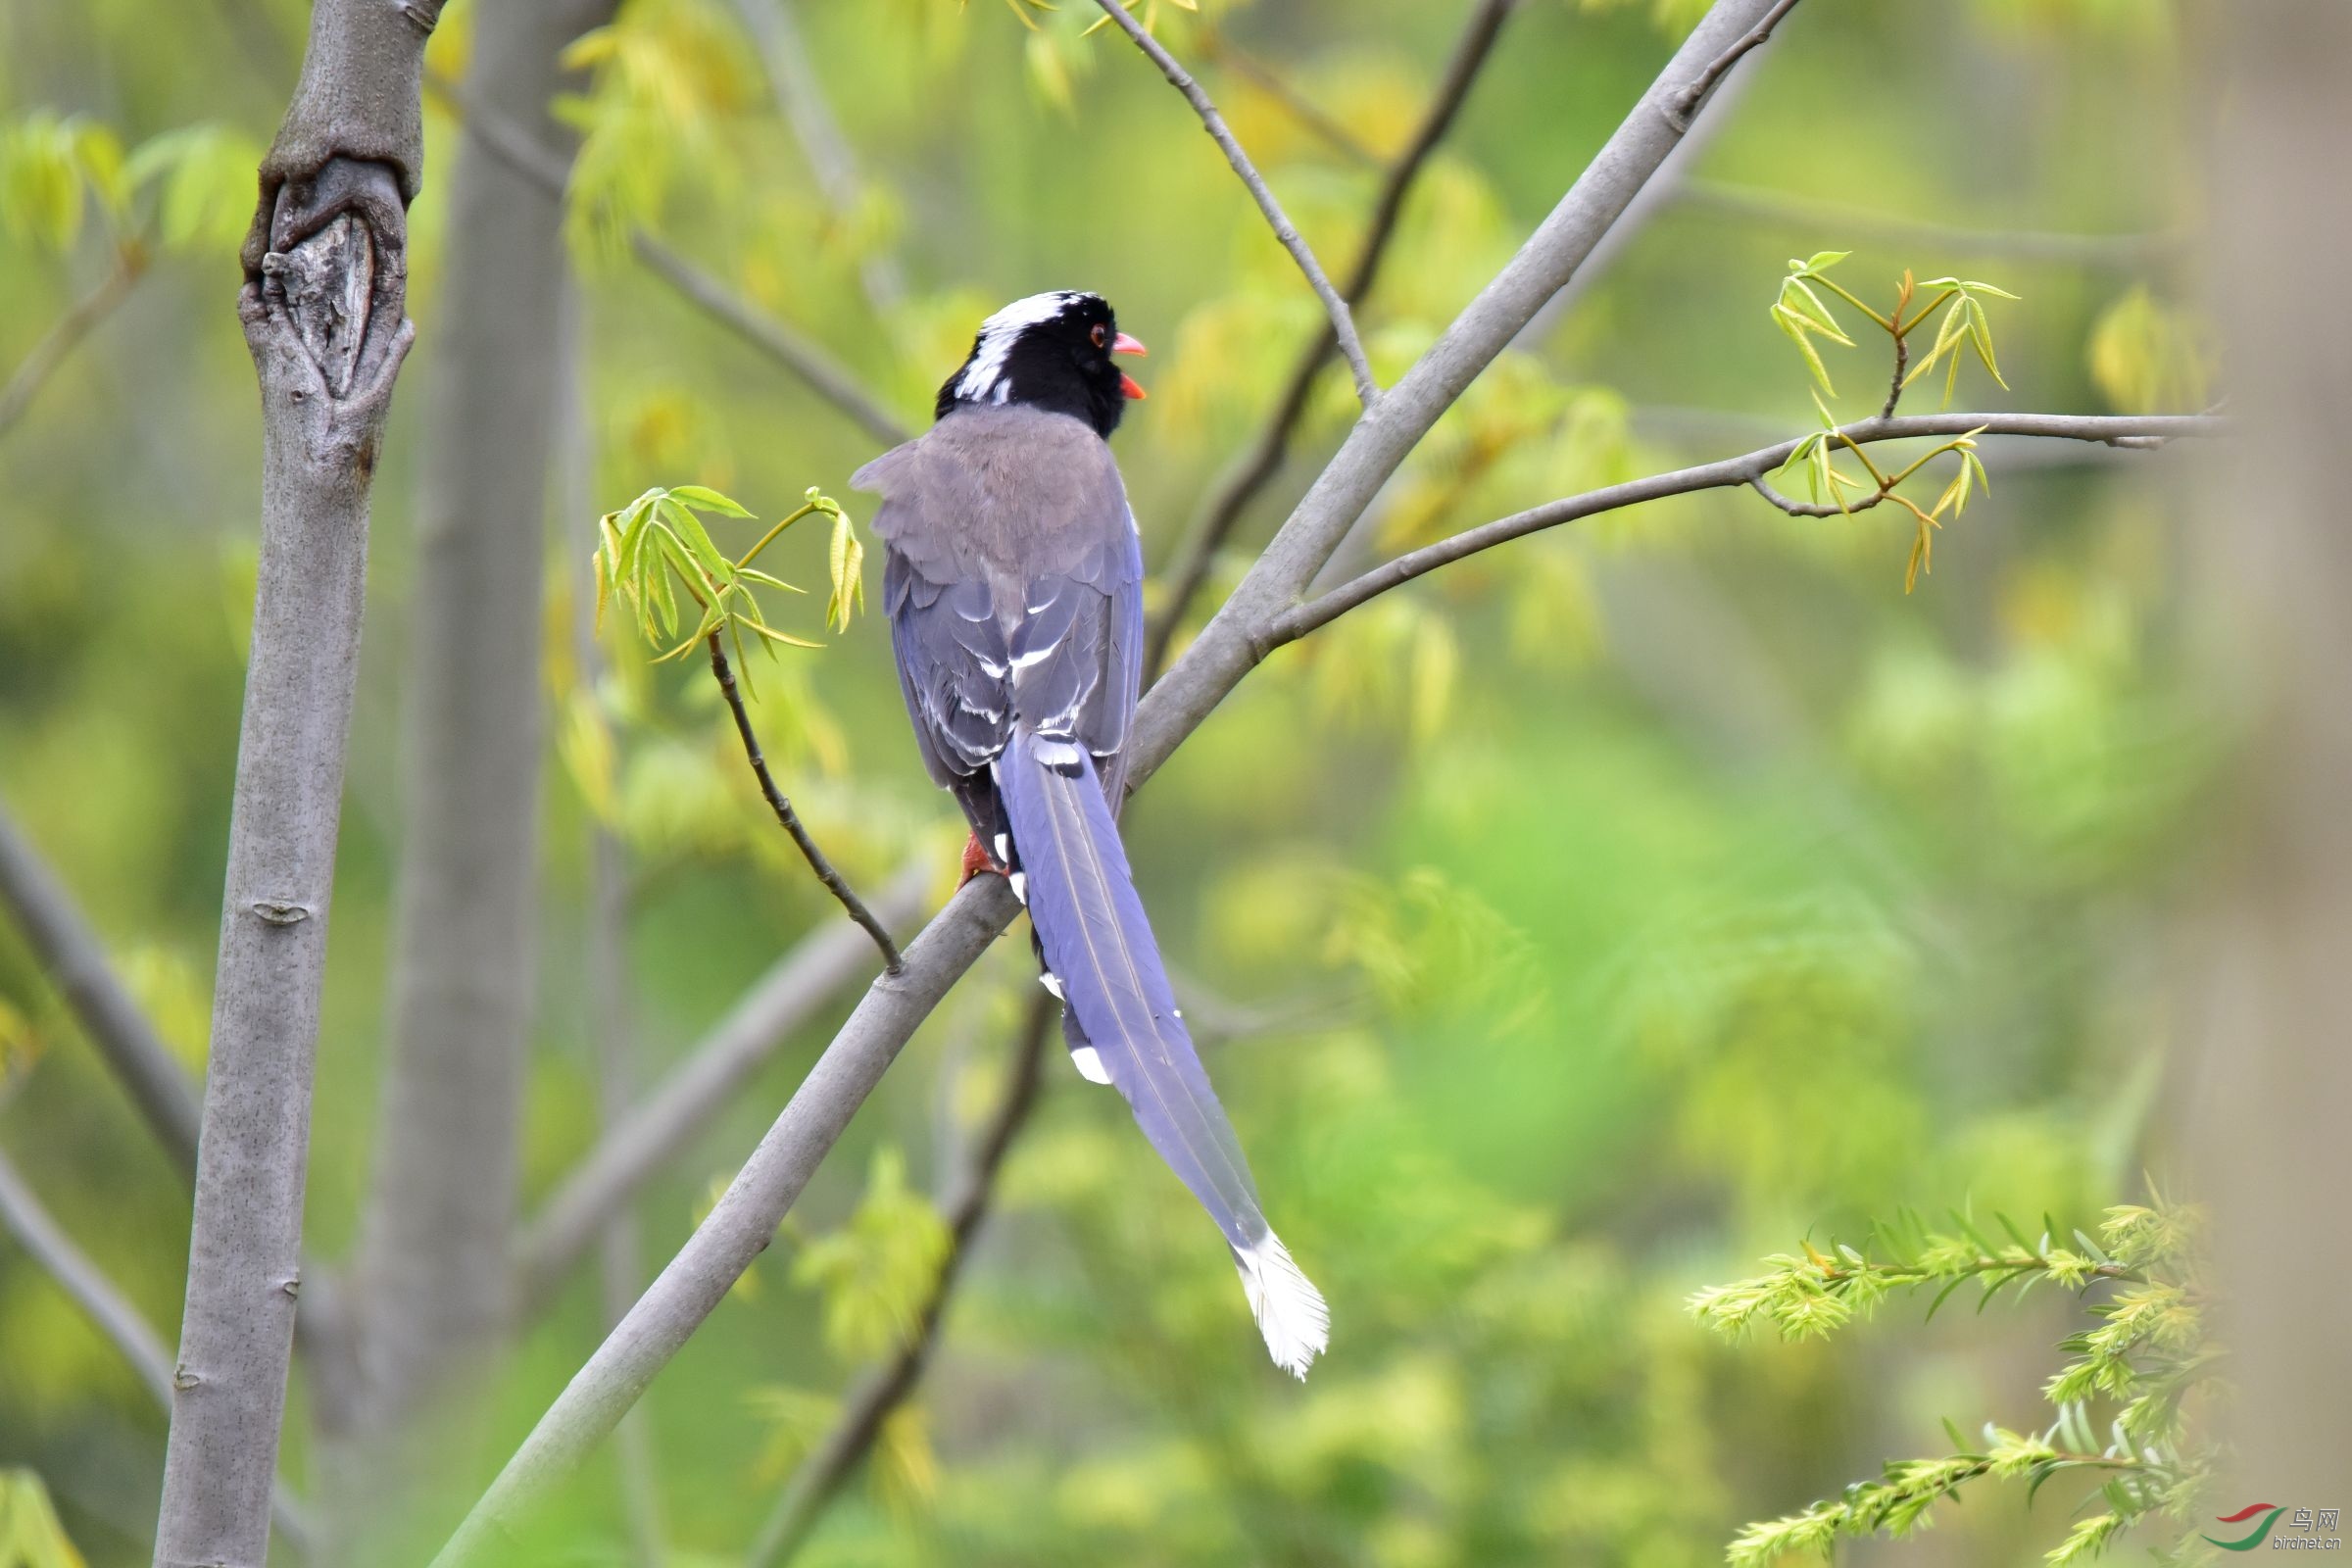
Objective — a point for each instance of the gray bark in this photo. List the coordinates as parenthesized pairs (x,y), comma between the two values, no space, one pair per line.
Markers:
(746,1217)
(432,1289)
(2271,999)
(325,275)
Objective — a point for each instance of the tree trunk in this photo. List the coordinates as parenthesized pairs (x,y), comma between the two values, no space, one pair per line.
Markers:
(2271,1003)
(325,273)
(433,1284)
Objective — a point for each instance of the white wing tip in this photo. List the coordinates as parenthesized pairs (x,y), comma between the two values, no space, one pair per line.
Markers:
(1288,1309)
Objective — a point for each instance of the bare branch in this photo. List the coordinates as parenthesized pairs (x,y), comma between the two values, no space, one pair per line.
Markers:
(1686,103)
(844,1447)
(1256,468)
(1233,58)
(817,369)
(1815,216)
(801,92)
(660,1124)
(48,1246)
(46,1243)
(77,964)
(1749,470)
(744,1221)
(60,341)
(1343,324)
(835,883)
(823,375)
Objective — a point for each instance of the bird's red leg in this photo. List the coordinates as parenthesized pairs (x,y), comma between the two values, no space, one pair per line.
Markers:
(977,860)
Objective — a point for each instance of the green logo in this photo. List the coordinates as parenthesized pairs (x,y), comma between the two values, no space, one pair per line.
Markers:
(2269,1516)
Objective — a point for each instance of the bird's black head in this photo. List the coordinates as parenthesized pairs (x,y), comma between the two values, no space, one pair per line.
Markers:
(1049,351)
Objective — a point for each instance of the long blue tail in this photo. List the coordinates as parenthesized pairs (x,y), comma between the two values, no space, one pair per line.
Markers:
(1098,951)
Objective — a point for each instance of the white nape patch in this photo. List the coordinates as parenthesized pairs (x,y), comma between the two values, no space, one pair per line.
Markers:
(1053,984)
(1288,1309)
(1089,1062)
(983,379)
(1020,887)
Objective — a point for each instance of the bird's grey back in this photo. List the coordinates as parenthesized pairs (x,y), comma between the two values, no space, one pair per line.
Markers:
(999,494)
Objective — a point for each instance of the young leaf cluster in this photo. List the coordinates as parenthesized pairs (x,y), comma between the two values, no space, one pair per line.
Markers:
(56,168)
(1961,327)
(2142,1358)
(657,546)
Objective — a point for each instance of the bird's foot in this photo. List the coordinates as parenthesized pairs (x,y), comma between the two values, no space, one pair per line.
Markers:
(977,860)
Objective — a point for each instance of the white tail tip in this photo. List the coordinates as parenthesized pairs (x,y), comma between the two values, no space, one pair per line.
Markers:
(1288,1309)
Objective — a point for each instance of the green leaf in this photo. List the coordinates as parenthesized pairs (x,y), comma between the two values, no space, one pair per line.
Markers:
(709,500)
(30,1534)
(844,558)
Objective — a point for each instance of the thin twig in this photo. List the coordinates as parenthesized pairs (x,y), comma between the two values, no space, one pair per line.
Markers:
(844,1447)
(1301,108)
(835,883)
(1343,324)
(817,370)
(1749,470)
(1255,469)
(1686,104)
(62,338)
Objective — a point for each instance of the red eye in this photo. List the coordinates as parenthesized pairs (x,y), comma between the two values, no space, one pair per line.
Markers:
(1098,334)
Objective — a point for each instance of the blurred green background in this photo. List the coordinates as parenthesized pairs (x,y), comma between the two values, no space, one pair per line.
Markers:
(1574,926)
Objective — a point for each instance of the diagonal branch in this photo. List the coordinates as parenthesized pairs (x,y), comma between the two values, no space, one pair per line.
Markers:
(1297,105)
(1748,469)
(823,375)
(745,1219)
(661,1123)
(1786,208)
(46,1243)
(1251,473)
(800,92)
(61,339)
(843,1448)
(817,370)
(1343,323)
(76,962)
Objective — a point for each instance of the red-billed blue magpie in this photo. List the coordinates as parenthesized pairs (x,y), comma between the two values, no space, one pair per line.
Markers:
(1014,581)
